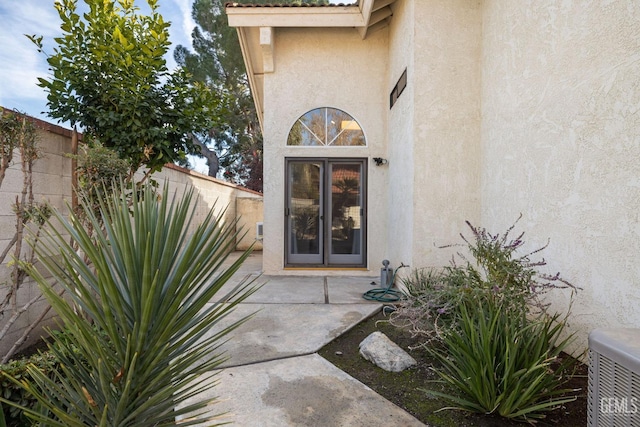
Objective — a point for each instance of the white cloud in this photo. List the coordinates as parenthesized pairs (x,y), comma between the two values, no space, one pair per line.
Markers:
(188,24)
(21,63)
(182,24)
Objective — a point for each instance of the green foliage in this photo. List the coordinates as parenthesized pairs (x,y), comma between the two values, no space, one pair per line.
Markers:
(99,169)
(486,321)
(16,132)
(138,313)
(109,75)
(504,364)
(493,264)
(19,370)
(236,144)
(216,60)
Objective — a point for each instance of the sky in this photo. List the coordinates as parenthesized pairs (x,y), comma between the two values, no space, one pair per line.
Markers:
(21,63)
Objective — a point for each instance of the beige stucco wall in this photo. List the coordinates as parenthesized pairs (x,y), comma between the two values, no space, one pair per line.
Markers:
(561,145)
(434,128)
(221,196)
(400,150)
(324,68)
(250,212)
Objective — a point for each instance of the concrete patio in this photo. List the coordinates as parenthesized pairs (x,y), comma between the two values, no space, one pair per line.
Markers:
(275,377)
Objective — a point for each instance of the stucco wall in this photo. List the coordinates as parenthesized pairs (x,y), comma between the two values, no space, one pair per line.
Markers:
(400,149)
(221,196)
(561,138)
(324,68)
(441,42)
(249,211)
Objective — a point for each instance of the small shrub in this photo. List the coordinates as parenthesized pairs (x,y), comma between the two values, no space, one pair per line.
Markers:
(18,369)
(46,362)
(99,170)
(493,265)
(485,320)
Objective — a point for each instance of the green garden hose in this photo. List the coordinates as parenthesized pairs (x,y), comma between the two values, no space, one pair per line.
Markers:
(385,294)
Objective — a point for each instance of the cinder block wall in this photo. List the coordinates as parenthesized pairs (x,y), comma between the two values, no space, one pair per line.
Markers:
(53,183)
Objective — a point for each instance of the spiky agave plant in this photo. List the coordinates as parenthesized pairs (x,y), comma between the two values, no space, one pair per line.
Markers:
(139,312)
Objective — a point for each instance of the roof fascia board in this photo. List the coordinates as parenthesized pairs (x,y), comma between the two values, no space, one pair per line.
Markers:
(251,73)
(336,16)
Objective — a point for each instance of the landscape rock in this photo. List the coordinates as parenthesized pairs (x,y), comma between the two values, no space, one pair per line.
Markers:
(384,353)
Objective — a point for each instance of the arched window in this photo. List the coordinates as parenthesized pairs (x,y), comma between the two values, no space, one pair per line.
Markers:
(326,126)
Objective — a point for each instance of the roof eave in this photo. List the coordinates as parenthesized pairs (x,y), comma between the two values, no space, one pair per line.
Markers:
(336,16)
(366,16)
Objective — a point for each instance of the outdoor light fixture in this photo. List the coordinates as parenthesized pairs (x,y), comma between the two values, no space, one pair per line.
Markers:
(380,161)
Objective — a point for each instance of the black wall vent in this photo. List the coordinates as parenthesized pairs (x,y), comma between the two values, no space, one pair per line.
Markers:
(398,88)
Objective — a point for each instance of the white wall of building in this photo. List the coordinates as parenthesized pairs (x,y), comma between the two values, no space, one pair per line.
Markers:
(561,145)
(447,49)
(434,145)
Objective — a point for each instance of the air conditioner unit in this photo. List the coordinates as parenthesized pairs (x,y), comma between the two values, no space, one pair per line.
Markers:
(614,378)
(259,231)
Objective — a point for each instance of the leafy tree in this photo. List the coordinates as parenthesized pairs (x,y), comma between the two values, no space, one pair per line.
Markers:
(109,76)
(216,60)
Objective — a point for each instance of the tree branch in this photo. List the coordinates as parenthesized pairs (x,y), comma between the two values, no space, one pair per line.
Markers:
(213,161)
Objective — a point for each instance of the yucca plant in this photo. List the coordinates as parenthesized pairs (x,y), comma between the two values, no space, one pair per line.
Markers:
(138,310)
(501,364)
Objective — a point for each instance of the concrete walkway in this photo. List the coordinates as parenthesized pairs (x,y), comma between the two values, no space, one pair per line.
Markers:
(275,377)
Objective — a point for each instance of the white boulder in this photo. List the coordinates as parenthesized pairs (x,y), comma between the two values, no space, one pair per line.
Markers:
(384,353)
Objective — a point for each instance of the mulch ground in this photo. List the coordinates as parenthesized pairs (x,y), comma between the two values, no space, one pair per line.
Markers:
(407,389)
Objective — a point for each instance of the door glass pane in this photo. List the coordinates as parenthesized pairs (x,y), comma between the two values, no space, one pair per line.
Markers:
(346,208)
(342,129)
(305,208)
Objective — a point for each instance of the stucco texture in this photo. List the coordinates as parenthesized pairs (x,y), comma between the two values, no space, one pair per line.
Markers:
(447,149)
(401,118)
(561,144)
